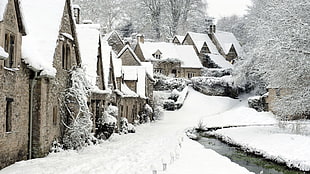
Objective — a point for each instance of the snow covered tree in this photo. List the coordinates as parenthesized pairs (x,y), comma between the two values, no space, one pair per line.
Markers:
(76,116)
(278,53)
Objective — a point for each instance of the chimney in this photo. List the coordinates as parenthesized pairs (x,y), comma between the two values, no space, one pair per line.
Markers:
(212,29)
(140,38)
(77,13)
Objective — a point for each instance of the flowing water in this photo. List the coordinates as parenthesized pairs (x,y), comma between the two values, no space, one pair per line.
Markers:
(253,163)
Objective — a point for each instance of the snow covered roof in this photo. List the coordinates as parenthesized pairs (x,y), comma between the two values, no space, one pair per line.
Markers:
(130,72)
(127,91)
(137,73)
(43,19)
(149,68)
(199,39)
(3,4)
(89,37)
(185,53)
(180,38)
(188,56)
(226,40)
(117,65)
(106,52)
(127,47)
(3,55)
(220,61)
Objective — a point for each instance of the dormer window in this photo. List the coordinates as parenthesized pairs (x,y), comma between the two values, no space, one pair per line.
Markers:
(9,47)
(157,54)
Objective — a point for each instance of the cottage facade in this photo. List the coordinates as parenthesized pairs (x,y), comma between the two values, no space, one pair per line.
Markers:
(170,59)
(115,41)
(14,86)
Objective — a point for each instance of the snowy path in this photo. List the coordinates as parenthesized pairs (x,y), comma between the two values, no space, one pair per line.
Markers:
(140,153)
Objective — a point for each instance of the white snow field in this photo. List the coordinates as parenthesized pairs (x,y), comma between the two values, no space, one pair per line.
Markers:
(147,150)
(259,132)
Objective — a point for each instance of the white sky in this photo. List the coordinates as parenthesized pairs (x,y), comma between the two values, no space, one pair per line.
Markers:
(222,8)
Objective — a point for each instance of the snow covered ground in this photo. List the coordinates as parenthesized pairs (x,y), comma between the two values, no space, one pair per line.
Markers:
(146,150)
(260,132)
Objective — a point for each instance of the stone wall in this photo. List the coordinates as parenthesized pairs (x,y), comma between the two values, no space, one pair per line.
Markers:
(49,112)
(116,43)
(14,144)
(14,89)
(184,72)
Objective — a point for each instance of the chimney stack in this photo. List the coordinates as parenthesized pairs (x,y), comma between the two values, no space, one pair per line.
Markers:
(140,38)
(212,29)
(77,13)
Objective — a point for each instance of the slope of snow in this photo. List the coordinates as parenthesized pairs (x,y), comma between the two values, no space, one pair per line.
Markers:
(196,156)
(3,4)
(199,39)
(188,56)
(273,143)
(226,39)
(146,150)
(220,61)
(185,53)
(88,38)
(43,23)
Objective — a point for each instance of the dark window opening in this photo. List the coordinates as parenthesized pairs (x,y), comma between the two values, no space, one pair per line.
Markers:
(55,114)
(9,47)
(8,115)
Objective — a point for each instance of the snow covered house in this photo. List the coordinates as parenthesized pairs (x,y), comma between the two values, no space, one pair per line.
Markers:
(91,49)
(170,59)
(50,50)
(115,41)
(216,50)
(134,84)
(14,86)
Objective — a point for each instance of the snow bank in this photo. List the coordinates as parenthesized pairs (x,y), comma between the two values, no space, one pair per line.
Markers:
(272,143)
(202,160)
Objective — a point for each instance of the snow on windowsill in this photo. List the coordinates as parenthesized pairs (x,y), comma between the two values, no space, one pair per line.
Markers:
(67,35)
(11,69)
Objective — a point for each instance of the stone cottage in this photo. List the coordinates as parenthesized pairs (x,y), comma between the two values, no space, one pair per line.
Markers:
(14,86)
(50,50)
(91,49)
(216,49)
(170,59)
(134,81)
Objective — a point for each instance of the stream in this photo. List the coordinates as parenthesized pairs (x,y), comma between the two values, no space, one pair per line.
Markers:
(253,163)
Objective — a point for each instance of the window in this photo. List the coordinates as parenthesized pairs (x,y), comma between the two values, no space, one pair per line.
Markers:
(9,47)
(66,56)
(8,115)
(190,75)
(55,114)
(157,70)
(157,56)
(174,72)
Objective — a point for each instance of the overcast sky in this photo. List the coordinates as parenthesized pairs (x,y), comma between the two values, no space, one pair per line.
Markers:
(222,8)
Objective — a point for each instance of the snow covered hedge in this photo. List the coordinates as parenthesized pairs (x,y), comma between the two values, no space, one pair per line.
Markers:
(165,83)
(209,72)
(258,103)
(215,86)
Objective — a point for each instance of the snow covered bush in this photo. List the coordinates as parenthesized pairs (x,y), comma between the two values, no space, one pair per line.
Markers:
(170,83)
(169,105)
(56,147)
(174,95)
(215,86)
(78,130)
(126,127)
(208,72)
(258,103)
(106,126)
